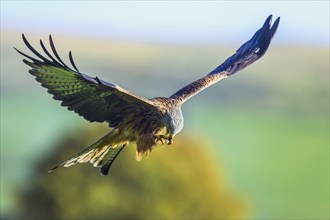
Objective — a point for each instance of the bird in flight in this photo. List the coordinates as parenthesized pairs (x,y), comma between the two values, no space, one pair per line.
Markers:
(133,119)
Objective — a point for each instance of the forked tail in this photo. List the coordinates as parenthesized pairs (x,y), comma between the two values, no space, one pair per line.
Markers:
(99,154)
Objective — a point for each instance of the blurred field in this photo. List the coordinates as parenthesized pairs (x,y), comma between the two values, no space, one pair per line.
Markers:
(267,127)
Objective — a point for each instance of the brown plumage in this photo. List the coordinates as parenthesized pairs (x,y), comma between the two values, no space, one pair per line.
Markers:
(133,119)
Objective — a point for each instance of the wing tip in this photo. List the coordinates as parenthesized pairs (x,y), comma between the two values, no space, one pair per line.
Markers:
(45,60)
(266,35)
(256,46)
(17,50)
(275,26)
(269,19)
(72,62)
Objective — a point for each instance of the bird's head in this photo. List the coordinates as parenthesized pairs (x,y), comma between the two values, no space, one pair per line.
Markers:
(173,120)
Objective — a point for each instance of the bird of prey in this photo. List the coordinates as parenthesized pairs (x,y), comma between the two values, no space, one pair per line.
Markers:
(133,119)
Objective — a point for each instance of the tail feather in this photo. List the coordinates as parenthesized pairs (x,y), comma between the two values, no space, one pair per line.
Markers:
(109,158)
(96,160)
(98,154)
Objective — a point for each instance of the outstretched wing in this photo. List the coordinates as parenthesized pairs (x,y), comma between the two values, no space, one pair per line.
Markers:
(247,54)
(92,98)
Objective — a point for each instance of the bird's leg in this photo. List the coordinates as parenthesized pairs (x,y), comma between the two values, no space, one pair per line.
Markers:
(170,139)
(163,137)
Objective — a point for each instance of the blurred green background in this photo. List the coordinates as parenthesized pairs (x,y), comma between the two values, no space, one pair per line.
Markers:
(255,145)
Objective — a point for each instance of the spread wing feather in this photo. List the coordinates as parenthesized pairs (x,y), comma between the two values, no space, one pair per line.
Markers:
(92,98)
(247,54)
(250,51)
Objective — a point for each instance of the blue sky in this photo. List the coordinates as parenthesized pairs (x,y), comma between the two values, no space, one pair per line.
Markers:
(183,22)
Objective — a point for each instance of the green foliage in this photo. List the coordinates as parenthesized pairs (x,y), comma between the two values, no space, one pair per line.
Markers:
(179,181)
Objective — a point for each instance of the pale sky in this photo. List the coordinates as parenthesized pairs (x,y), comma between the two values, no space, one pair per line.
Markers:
(182,22)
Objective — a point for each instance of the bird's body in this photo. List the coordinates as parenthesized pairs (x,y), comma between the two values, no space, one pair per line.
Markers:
(133,119)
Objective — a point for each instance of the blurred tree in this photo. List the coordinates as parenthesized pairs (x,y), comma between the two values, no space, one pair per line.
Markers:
(179,181)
